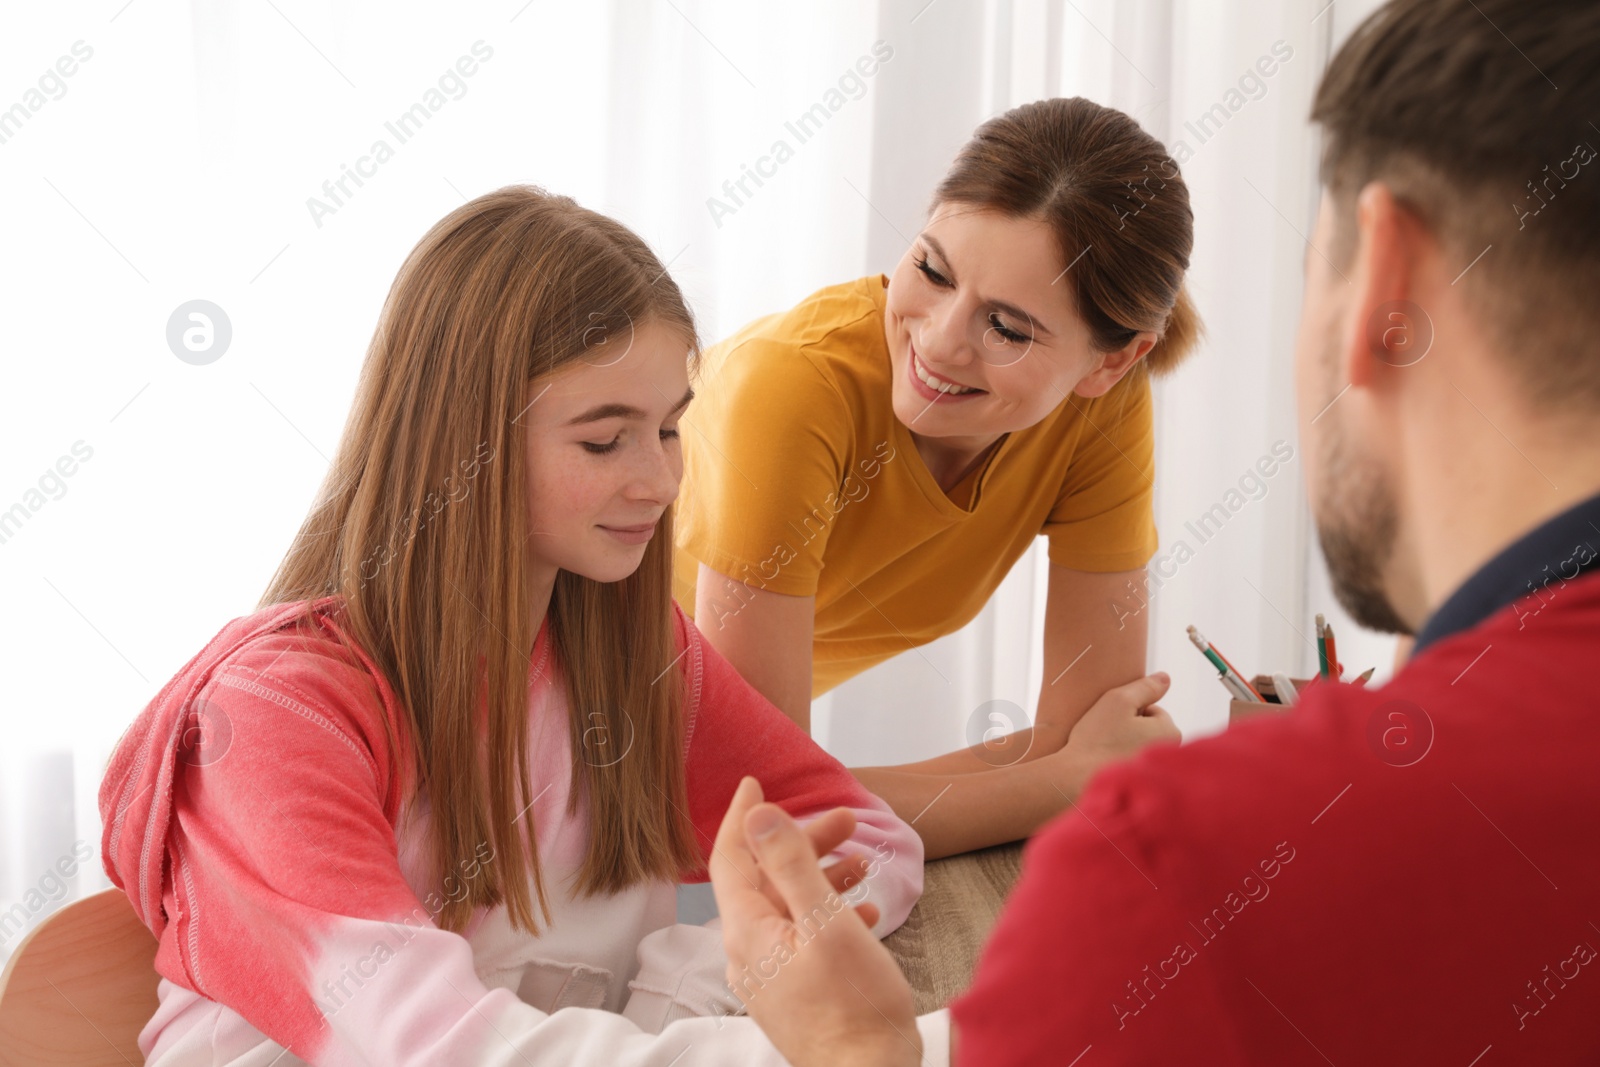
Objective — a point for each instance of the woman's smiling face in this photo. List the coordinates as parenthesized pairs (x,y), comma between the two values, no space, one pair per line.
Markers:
(983,337)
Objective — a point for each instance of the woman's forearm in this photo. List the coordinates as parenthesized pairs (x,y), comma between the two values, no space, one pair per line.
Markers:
(955,813)
(1032,743)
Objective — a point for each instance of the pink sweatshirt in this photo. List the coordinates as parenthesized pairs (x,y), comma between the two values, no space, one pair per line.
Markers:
(252,818)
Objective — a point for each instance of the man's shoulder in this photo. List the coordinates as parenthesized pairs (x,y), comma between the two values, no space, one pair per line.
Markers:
(1406,857)
(1508,702)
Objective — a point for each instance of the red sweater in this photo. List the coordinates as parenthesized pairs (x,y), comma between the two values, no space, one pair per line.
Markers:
(1330,886)
(252,817)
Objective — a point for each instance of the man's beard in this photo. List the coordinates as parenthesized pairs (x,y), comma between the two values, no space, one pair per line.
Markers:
(1357,525)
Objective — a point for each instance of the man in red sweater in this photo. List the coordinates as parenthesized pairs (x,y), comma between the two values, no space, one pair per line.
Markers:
(1403,875)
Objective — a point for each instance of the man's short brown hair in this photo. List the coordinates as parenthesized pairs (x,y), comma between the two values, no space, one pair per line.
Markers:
(1480,116)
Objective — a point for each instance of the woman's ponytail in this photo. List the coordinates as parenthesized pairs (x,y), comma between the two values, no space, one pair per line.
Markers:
(1180,337)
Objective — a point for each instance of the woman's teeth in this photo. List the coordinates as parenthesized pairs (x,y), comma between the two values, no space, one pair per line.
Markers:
(940,384)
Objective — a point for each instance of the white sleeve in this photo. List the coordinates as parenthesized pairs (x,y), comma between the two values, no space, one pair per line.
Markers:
(682,974)
(424,1005)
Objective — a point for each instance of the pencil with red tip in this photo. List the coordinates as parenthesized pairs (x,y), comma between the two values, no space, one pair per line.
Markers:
(1335,668)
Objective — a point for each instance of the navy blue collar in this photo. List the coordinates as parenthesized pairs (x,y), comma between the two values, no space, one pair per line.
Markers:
(1556,551)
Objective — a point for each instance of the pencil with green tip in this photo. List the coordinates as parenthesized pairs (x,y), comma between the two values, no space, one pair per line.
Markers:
(1230,677)
(1322,646)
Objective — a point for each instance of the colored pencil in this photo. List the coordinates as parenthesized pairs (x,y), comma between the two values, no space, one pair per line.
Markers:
(1322,647)
(1228,670)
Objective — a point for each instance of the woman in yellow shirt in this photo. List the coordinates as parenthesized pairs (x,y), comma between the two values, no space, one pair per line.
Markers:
(863,469)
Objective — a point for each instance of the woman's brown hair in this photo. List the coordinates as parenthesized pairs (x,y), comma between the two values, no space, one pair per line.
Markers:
(421,529)
(1118,207)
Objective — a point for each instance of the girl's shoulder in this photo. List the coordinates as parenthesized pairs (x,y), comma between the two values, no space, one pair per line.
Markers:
(690,664)
(706,684)
(279,712)
(291,672)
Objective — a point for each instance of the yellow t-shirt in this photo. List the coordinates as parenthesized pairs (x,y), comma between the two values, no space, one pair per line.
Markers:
(799,479)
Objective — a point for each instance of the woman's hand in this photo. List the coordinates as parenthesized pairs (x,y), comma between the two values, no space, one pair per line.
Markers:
(1124,720)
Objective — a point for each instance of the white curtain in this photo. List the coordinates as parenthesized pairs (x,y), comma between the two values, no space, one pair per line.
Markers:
(228,152)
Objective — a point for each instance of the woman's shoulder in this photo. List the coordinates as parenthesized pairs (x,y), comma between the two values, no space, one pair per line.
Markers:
(849,312)
(826,353)
(846,318)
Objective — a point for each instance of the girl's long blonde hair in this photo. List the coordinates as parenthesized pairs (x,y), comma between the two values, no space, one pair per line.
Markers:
(421,528)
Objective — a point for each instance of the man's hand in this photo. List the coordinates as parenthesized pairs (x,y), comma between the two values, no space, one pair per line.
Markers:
(1120,723)
(800,957)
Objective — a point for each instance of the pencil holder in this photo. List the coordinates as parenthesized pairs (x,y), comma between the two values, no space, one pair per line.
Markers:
(1245,709)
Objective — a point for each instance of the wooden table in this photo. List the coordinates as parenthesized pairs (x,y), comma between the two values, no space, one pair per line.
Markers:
(938,945)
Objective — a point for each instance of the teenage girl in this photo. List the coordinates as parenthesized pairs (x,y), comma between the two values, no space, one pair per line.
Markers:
(444,782)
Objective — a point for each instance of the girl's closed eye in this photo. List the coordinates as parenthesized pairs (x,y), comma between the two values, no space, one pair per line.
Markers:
(602,448)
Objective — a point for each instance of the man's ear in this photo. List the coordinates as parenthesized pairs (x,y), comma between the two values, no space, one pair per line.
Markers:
(1382,329)
(1113,365)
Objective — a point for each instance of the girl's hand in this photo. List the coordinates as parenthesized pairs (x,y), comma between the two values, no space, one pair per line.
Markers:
(1123,721)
